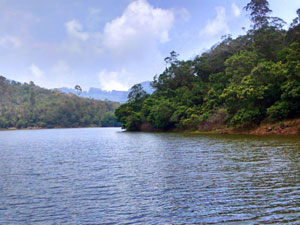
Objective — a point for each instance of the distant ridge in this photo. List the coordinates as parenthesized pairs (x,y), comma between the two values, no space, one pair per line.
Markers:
(24,105)
(115,96)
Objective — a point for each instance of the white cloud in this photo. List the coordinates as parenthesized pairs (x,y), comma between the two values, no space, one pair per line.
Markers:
(16,21)
(134,37)
(81,42)
(10,41)
(94,11)
(184,14)
(61,68)
(114,80)
(236,10)
(36,71)
(140,25)
(218,25)
(74,29)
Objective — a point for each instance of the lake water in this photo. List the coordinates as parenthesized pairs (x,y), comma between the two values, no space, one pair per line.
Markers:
(105,176)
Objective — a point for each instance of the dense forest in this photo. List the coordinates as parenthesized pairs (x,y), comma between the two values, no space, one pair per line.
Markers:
(237,83)
(27,105)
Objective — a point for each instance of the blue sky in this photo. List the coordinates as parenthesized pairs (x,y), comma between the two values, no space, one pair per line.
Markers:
(112,44)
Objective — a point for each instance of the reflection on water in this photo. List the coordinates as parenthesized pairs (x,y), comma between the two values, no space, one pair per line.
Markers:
(103,175)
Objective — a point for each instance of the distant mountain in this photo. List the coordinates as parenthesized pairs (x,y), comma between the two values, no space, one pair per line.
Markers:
(115,96)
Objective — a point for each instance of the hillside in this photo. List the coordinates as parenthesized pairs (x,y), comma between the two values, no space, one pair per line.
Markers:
(239,83)
(27,105)
(115,96)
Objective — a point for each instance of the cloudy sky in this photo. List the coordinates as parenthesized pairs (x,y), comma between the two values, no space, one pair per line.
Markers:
(112,44)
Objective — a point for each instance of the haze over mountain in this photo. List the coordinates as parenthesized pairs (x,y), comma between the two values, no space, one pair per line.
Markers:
(115,96)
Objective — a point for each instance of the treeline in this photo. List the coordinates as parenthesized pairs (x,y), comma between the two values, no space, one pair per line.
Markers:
(27,105)
(238,83)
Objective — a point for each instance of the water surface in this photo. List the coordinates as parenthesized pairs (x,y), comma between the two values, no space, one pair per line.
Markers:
(105,176)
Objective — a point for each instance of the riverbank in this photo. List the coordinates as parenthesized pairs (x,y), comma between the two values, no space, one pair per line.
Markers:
(36,128)
(285,127)
(44,128)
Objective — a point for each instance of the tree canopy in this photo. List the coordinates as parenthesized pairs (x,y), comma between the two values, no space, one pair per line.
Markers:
(27,105)
(238,83)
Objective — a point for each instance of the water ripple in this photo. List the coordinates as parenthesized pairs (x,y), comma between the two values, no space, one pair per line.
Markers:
(104,176)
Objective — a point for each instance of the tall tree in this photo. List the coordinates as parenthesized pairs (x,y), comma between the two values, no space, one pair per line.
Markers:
(172,59)
(259,10)
(136,93)
(78,89)
(296,21)
(266,33)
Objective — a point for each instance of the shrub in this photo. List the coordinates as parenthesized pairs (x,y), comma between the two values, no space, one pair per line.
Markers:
(245,117)
(278,111)
(21,124)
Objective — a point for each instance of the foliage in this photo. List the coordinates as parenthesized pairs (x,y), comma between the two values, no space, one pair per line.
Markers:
(238,82)
(78,89)
(27,105)
(136,93)
(278,111)
(110,120)
(259,9)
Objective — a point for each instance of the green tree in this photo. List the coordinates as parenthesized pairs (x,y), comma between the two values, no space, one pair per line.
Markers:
(78,89)
(240,65)
(259,10)
(238,82)
(136,93)
(110,120)
(25,105)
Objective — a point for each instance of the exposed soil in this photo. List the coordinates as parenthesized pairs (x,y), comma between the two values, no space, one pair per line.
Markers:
(285,127)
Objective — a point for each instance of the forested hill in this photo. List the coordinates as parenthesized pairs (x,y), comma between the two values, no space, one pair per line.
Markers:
(238,83)
(27,105)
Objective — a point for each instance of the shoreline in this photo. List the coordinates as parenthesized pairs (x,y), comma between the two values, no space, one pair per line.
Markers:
(45,128)
(282,128)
